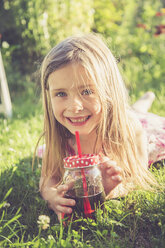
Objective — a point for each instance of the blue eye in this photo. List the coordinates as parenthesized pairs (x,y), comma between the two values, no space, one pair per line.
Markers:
(87,92)
(61,94)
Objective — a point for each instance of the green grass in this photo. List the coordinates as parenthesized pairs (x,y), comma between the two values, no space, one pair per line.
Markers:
(137,220)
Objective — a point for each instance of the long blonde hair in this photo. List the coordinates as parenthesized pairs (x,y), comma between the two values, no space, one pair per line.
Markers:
(116,128)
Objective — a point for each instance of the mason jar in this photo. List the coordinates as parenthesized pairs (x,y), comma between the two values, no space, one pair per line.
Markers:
(86,188)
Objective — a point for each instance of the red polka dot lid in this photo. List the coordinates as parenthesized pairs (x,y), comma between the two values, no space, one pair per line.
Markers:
(80,162)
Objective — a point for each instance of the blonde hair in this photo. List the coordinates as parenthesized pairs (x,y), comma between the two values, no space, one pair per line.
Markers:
(116,128)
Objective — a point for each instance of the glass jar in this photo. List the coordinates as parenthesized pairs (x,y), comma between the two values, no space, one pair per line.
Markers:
(85,179)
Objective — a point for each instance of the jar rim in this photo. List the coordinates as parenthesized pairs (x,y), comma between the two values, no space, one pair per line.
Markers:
(76,161)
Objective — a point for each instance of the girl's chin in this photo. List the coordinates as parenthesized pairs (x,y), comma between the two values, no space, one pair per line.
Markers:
(82,132)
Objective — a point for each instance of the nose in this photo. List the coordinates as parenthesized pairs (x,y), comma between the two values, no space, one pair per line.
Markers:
(75,104)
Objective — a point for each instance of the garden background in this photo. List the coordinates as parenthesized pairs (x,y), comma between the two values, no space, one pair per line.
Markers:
(135,32)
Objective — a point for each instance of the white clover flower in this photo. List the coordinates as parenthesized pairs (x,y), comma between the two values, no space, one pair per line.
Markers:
(6,205)
(43,221)
(5,44)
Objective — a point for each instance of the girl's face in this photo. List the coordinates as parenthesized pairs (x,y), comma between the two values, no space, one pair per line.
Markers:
(74,100)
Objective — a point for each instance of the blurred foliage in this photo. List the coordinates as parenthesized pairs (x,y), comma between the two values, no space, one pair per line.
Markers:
(134,30)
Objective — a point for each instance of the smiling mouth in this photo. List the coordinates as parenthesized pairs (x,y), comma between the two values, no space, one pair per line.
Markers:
(78,120)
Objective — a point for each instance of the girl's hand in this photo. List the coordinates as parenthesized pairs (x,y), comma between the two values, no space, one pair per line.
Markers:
(111,174)
(58,202)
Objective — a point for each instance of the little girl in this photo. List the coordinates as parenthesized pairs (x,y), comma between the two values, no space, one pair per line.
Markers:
(83,91)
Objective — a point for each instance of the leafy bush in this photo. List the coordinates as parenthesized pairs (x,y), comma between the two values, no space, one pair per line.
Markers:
(32,27)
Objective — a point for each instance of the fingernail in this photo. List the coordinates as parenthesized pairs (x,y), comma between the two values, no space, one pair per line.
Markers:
(116,178)
(69,210)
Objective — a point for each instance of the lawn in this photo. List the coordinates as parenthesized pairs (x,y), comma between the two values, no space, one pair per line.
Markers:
(137,220)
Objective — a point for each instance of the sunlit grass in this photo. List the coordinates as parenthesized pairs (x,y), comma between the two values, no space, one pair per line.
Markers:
(138,220)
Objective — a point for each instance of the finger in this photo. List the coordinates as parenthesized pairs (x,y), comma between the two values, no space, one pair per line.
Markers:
(62,188)
(108,163)
(104,159)
(70,184)
(53,207)
(117,178)
(64,209)
(67,202)
(114,170)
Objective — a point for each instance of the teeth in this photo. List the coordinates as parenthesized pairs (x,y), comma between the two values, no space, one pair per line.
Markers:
(79,120)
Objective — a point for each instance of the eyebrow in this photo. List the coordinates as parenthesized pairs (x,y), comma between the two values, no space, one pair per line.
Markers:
(80,87)
(60,89)
(86,86)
